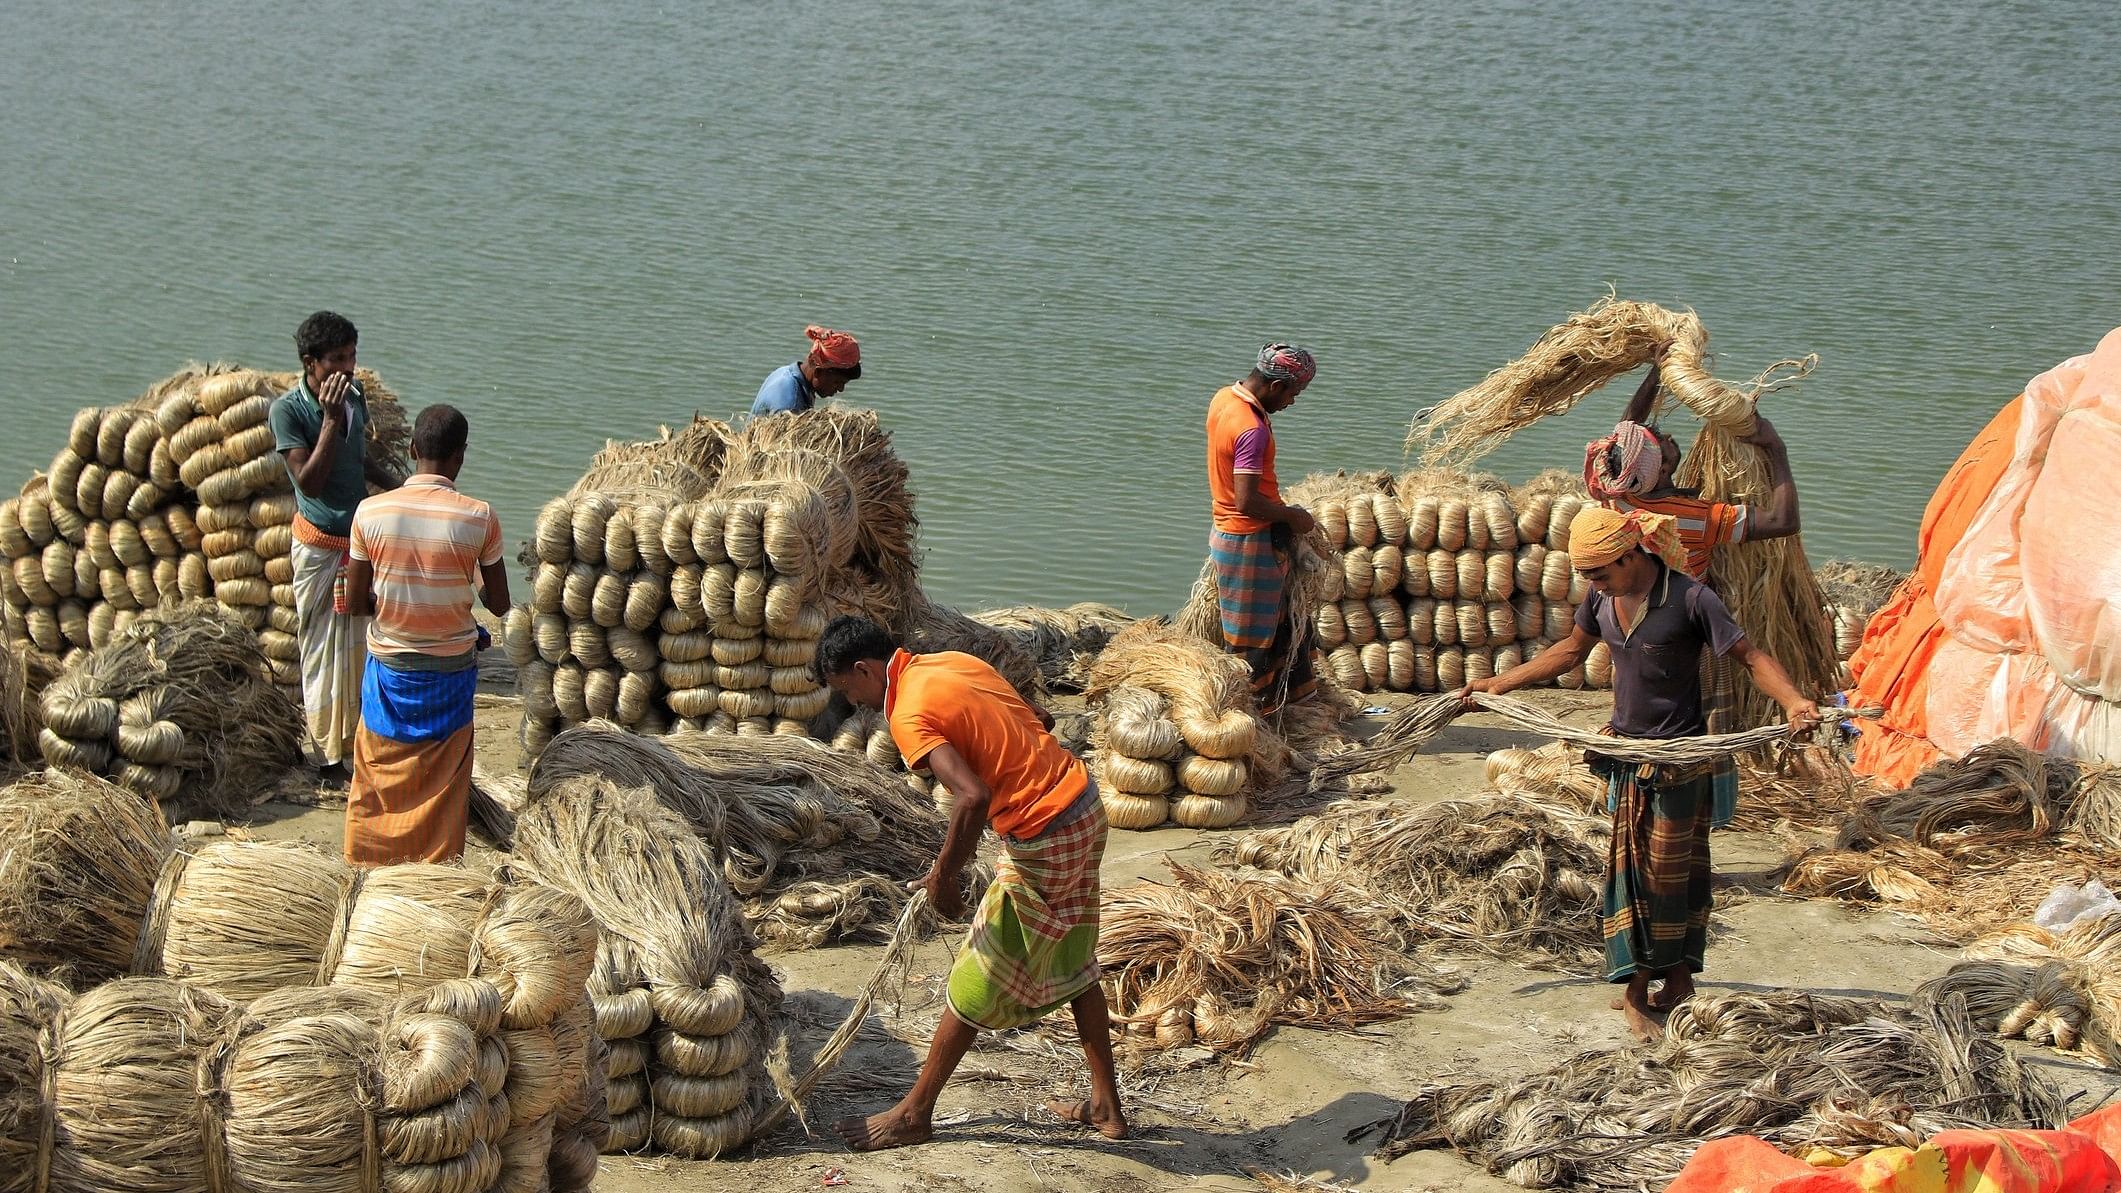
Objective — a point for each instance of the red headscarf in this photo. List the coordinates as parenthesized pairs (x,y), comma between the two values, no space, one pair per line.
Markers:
(831,349)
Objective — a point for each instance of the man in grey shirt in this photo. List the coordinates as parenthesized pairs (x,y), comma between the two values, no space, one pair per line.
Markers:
(320,427)
(1656,620)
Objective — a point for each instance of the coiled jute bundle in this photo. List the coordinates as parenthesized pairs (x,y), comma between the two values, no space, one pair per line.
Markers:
(1151,676)
(97,887)
(176,495)
(152,1084)
(1768,585)
(654,885)
(180,703)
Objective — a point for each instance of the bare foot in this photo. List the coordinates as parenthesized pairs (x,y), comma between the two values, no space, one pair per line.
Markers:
(1642,1023)
(1111,1124)
(1677,989)
(892,1128)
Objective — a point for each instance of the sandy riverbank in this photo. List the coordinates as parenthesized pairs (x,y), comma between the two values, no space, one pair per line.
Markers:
(1288,1106)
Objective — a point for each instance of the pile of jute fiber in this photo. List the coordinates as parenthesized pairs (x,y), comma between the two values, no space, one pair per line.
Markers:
(818,843)
(178,704)
(178,495)
(1065,642)
(1768,585)
(153,1084)
(602,624)
(1179,737)
(683,1004)
(1218,957)
(1801,1071)
(1503,874)
(1972,843)
(94,886)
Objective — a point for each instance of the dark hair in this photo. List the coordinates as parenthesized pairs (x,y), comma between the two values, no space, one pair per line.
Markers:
(325,331)
(439,433)
(849,640)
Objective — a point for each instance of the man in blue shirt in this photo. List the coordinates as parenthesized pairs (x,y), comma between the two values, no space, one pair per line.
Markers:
(834,360)
(320,427)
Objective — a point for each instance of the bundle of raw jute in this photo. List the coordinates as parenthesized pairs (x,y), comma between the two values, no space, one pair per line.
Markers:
(1768,585)
(2044,1003)
(1218,958)
(613,620)
(686,1003)
(1804,788)
(1510,876)
(1801,1071)
(146,1083)
(1222,749)
(21,721)
(1064,641)
(1961,823)
(819,843)
(96,886)
(178,705)
(176,495)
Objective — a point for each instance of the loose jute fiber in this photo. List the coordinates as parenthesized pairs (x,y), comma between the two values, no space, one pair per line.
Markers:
(1801,1071)
(1218,958)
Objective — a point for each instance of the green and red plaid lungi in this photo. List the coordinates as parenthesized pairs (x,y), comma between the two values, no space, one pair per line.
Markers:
(1033,945)
(1657,873)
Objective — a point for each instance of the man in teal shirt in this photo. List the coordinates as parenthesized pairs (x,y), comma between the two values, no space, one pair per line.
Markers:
(320,427)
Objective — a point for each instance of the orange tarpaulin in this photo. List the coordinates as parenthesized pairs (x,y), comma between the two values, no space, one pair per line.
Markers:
(2076,1159)
(1891,668)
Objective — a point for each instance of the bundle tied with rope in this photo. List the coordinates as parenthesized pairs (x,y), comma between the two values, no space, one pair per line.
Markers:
(154,1084)
(1801,1071)
(95,887)
(179,704)
(684,1006)
(177,495)
(1768,585)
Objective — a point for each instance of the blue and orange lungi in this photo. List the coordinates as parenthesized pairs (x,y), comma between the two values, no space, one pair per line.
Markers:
(411,789)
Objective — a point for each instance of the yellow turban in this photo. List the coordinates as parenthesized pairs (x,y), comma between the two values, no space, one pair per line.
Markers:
(1599,536)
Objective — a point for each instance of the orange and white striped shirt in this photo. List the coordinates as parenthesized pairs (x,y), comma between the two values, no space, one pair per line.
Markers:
(1703,525)
(425,543)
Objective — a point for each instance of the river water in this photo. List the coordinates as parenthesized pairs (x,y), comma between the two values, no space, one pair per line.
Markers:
(1058,227)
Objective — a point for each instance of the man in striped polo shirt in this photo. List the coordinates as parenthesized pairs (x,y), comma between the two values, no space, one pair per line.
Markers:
(419,557)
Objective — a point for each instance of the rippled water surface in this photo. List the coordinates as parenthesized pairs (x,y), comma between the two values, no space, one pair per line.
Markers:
(1058,227)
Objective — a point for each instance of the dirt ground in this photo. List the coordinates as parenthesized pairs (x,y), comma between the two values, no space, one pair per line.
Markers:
(1288,1107)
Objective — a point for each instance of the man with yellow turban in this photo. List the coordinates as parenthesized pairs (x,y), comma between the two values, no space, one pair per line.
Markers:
(1656,620)
(1635,468)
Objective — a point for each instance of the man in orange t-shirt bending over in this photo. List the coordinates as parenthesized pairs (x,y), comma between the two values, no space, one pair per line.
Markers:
(1033,946)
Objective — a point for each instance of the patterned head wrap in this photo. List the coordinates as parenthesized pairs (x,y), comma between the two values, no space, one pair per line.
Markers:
(1623,463)
(1599,536)
(1286,362)
(831,349)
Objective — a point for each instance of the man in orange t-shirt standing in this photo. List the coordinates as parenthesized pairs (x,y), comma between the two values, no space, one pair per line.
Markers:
(1033,946)
(1253,530)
